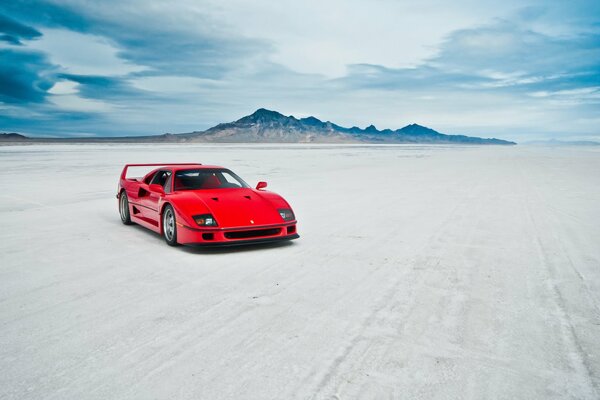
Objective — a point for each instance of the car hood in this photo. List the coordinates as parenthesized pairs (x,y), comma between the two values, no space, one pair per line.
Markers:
(234,207)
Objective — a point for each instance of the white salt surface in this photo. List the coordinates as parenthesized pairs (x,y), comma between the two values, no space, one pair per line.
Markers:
(421,272)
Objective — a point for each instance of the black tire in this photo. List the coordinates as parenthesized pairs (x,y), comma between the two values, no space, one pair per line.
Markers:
(124,209)
(169,225)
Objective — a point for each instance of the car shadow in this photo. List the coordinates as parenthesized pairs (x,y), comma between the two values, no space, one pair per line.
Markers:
(235,249)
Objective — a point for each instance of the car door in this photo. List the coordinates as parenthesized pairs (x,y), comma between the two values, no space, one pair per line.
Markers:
(151,199)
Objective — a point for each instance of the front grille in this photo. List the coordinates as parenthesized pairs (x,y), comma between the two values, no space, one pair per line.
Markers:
(253,233)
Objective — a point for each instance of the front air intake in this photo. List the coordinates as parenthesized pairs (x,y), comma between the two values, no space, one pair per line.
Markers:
(252,234)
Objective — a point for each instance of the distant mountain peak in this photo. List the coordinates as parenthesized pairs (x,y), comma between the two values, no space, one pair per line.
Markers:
(12,136)
(265,112)
(313,122)
(262,115)
(416,129)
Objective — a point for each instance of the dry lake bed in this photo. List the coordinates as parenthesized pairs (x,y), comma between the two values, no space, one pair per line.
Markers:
(429,272)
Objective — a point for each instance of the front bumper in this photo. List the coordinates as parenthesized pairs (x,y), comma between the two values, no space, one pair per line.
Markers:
(236,236)
(246,242)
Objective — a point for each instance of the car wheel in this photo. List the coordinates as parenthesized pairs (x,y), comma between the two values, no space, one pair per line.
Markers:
(124,208)
(169,226)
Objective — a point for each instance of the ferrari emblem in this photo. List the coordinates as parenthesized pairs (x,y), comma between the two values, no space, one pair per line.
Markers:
(251,221)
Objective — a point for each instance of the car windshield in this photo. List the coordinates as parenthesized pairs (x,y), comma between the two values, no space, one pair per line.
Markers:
(198,179)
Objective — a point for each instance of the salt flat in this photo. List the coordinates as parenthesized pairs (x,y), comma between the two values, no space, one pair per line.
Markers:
(421,272)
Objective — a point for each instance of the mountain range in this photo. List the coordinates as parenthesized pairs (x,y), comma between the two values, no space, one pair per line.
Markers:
(266,126)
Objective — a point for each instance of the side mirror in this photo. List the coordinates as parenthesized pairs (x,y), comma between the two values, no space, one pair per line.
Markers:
(261,185)
(156,188)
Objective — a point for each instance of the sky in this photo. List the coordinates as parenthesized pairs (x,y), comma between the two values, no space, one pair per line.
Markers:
(519,70)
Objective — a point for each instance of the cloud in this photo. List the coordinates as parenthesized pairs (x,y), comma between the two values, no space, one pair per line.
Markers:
(13,32)
(64,87)
(508,50)
(318,37)
(73,102)
(495,56)
(165,38)
(25,76)
(95,55)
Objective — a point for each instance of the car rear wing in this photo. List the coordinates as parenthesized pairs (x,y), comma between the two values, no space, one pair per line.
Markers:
(124,173)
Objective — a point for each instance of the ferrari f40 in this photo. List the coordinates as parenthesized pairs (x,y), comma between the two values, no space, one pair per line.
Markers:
(203,205)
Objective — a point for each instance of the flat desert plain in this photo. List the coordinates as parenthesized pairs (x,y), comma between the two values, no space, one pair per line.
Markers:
(422,272)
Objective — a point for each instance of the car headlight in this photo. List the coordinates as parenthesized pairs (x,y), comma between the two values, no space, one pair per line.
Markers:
(286,214)
(205,220)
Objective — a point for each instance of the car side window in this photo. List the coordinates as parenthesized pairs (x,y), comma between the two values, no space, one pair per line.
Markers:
(149,178)
(162,178)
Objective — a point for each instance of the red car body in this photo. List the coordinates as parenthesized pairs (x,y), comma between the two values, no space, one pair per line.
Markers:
(237,213)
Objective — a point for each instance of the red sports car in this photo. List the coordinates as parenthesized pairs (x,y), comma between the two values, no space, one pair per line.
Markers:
(204,205)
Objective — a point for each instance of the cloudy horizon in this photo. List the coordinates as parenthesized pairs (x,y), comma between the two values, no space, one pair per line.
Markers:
(520,70)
